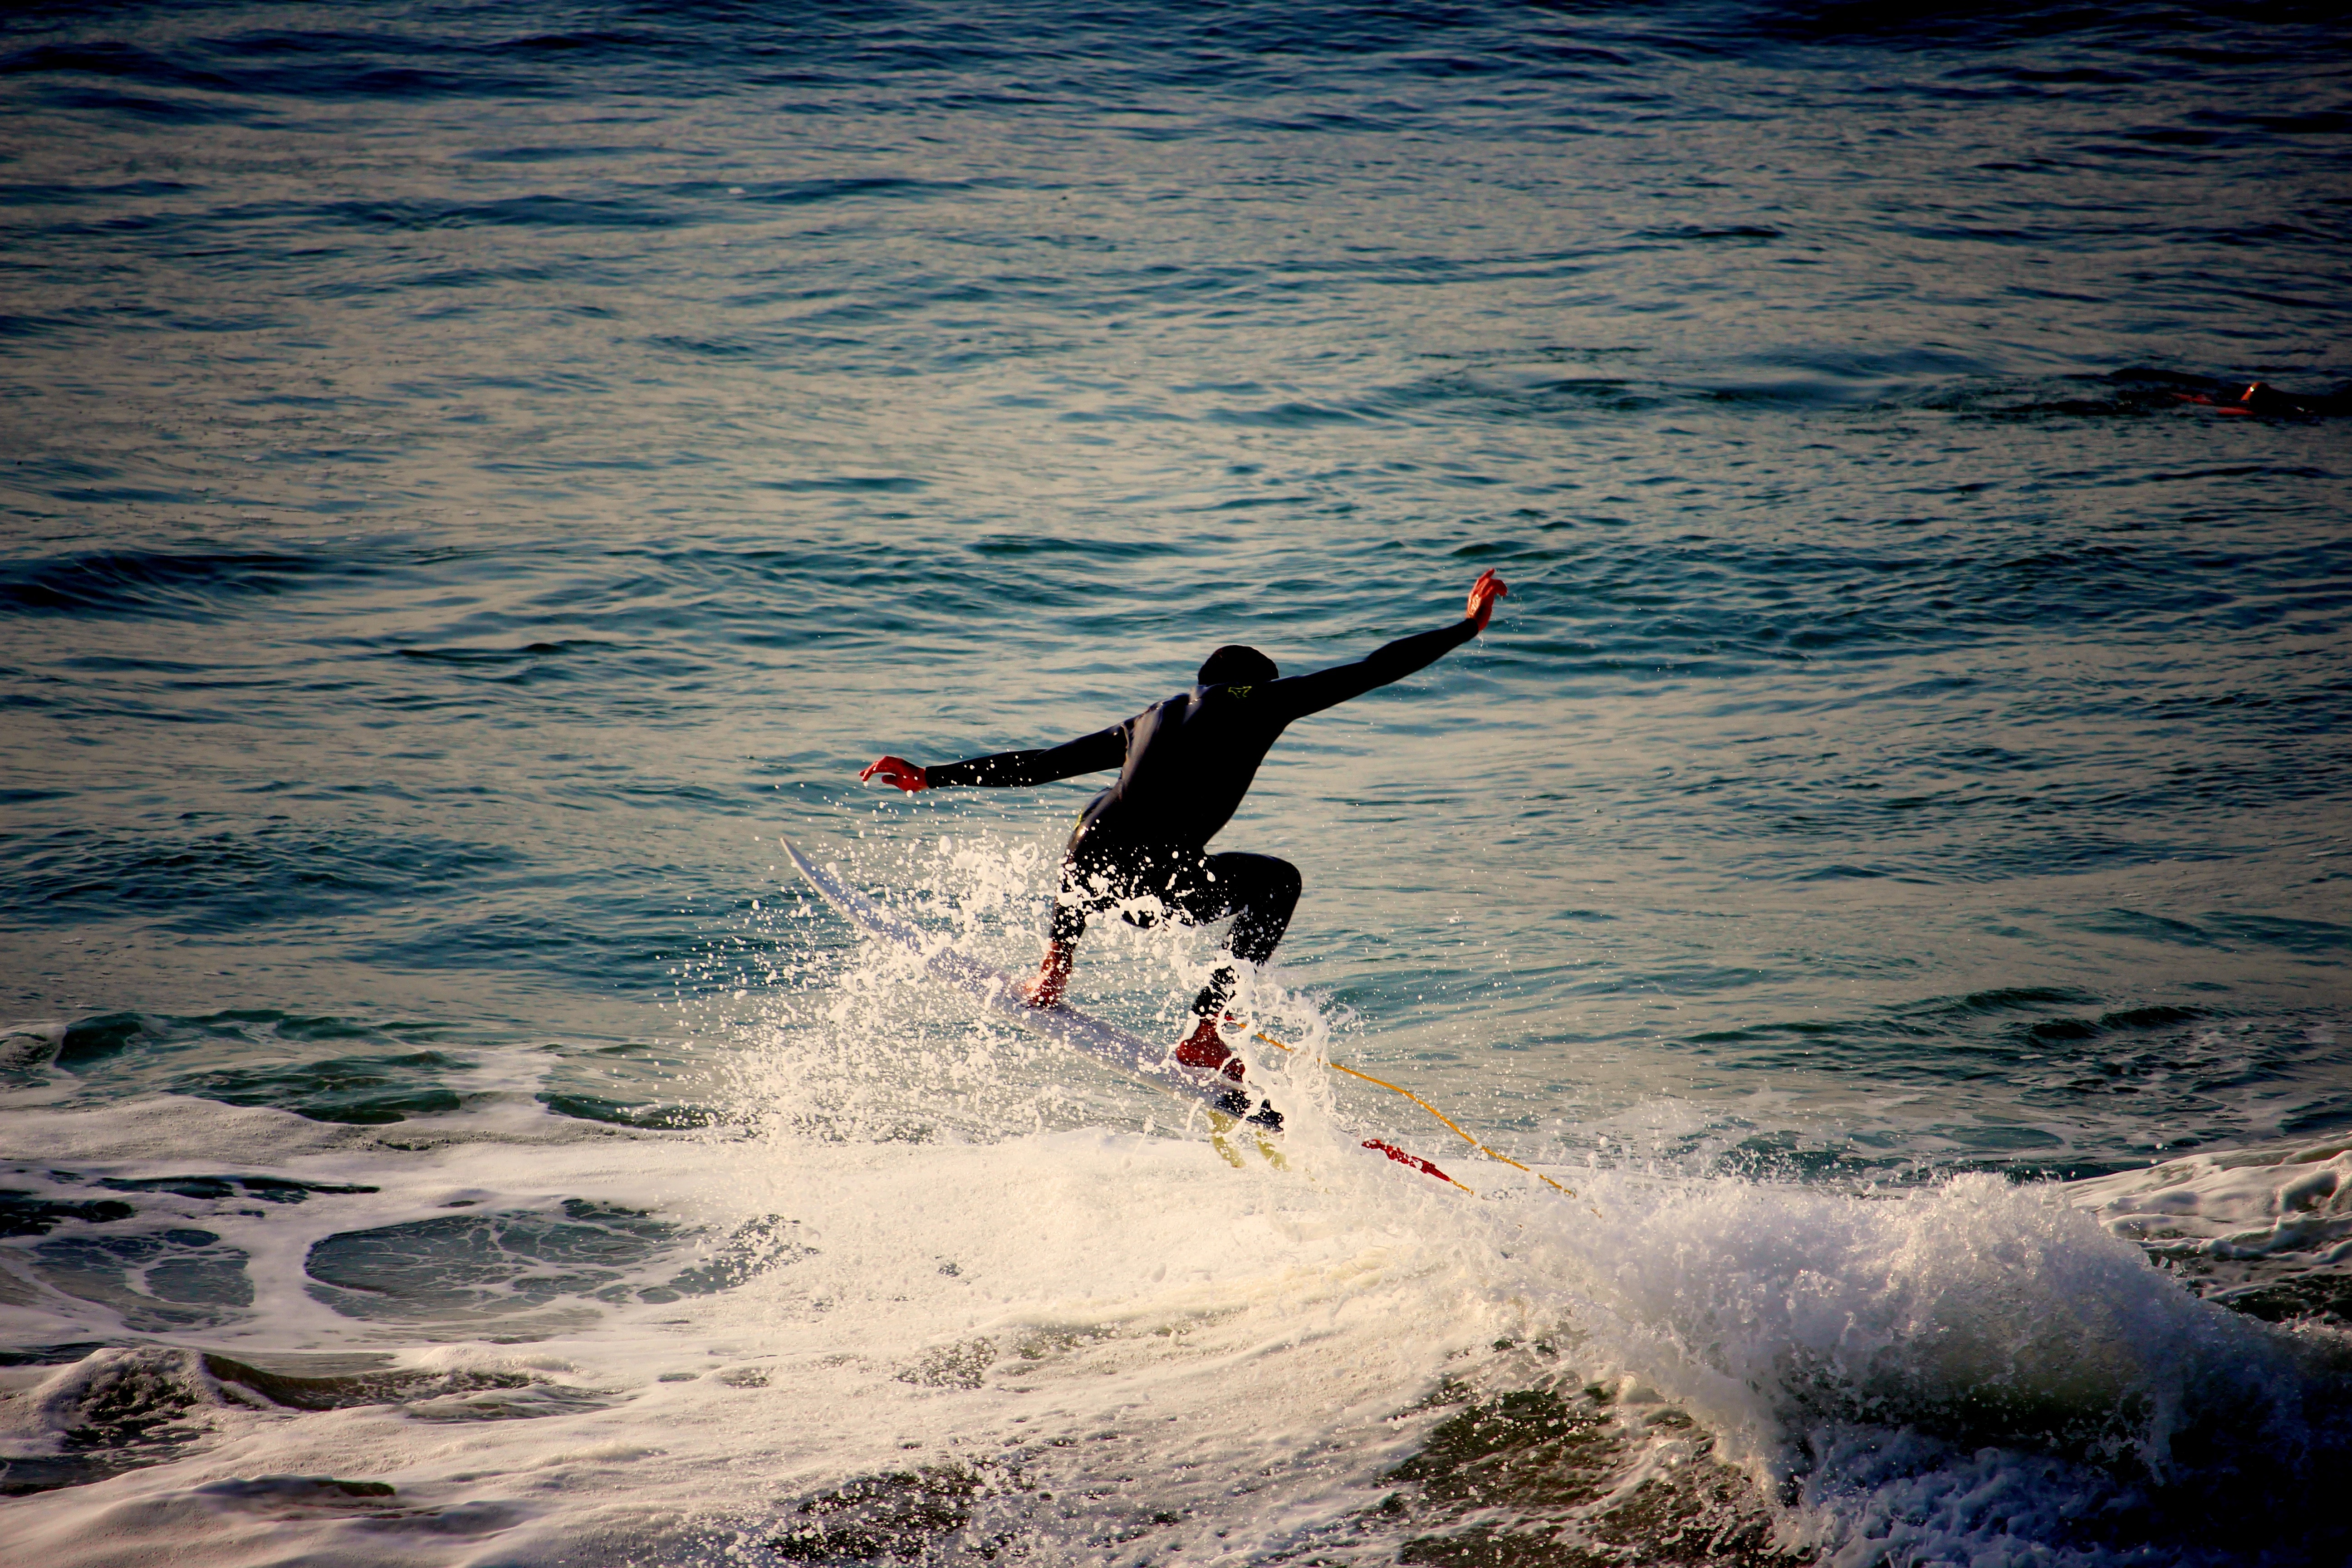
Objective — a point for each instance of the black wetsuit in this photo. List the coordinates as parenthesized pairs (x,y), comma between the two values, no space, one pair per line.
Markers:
(1185,765)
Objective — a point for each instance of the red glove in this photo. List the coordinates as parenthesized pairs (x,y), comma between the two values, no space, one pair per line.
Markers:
(1483,594)
(896,771)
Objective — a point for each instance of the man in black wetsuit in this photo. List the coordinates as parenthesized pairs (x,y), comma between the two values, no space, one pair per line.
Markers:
(1185,765)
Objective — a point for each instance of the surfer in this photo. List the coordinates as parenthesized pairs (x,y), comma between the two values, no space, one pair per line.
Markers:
(2258,397)
(1184,764)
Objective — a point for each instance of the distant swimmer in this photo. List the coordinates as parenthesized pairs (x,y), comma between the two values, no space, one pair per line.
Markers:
(2258,397)
(1185,765)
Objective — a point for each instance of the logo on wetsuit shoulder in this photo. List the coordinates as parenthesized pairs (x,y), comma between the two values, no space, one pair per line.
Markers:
(1239,690)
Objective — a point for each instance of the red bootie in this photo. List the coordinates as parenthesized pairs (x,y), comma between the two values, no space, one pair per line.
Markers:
(1206,1050)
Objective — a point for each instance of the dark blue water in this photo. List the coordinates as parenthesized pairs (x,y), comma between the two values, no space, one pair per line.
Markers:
(476,476)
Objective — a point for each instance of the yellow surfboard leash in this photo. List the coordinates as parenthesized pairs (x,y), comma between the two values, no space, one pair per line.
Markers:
(1451,1124)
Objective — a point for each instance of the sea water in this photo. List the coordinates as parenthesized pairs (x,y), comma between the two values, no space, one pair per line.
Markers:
(478,476)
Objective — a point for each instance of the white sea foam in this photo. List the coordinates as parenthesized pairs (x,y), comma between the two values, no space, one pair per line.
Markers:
(2237,1206)
(1130,1328)
(926,1249)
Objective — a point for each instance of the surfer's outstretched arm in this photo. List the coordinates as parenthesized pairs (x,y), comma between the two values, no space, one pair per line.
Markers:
(1007,770)
(1304,694)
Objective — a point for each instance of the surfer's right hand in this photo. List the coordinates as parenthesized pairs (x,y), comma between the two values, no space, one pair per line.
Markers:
(896,771)
(1483,594)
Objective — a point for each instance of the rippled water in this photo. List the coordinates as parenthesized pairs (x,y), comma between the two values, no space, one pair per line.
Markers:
(476,477)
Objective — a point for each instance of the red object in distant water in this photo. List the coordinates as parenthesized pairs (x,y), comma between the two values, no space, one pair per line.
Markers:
(2260,397)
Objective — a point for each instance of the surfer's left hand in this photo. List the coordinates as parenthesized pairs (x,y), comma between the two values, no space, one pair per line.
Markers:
(1483,594)
(896,771)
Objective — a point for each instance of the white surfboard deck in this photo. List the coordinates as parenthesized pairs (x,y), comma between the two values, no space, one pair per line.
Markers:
(1106,1043)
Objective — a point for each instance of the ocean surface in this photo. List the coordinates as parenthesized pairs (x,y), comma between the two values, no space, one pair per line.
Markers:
(478,477)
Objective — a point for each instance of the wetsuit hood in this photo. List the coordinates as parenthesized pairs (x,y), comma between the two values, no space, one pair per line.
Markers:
(1234,665)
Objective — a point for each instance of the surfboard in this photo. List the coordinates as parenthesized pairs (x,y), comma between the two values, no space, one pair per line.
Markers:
(1121,1049)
